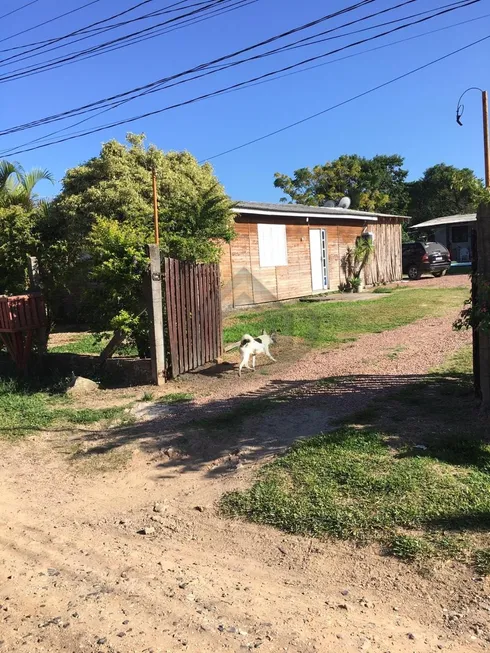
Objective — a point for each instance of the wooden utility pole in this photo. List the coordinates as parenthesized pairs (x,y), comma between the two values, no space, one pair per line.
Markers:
(157,346)
(155,208)
(481,343)
(484,96)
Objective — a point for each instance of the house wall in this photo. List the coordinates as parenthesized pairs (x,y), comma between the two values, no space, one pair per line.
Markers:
(244,282)
(386,265)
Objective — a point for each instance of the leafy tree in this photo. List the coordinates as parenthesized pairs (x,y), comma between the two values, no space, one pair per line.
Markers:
(17,241)
(376,184)
(444,190)
(17,185)
(18,203)
(102,220)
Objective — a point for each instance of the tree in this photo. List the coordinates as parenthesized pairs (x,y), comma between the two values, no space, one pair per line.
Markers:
(17,241)
(444,190)
(376,184)
(17,185)
(103,219)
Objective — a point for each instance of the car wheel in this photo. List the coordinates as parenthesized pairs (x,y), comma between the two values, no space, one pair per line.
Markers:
(414,273)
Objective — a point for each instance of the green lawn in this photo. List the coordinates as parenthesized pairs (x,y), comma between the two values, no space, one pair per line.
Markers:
(324,323)
(88,343)
(24,410)
(411,472)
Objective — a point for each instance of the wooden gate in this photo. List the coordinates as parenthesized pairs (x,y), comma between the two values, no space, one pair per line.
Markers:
(193,314)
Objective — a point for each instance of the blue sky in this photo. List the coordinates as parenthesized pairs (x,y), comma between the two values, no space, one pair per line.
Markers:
(414,117)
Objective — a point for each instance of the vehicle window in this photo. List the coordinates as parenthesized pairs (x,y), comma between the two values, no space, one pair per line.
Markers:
(435,247)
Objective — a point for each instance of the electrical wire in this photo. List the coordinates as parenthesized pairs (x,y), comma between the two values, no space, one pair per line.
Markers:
(97,104)
(21,73)
(28,4)
(47,22)
(159,111)
(278,77)
(344,102)
(152,87)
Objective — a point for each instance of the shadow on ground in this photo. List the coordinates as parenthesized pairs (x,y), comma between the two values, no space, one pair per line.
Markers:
(220,436)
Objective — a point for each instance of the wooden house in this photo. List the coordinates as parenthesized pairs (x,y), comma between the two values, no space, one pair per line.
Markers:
(286,251)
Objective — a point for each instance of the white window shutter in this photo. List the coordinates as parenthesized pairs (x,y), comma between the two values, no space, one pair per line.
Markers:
(272,245)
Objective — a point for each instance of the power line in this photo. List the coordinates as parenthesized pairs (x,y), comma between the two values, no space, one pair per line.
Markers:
(277,77)
(98,103)
(47,22)
(236,86)
(344,102)
(19,8)
(28,71)
(156,86)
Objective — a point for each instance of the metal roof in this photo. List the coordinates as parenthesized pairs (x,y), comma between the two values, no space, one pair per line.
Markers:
(448,219)
(302,210)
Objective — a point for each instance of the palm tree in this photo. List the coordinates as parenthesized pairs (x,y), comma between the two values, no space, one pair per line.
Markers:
(17,185)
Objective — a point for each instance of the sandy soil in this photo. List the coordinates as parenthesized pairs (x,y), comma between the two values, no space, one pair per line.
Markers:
(112,542)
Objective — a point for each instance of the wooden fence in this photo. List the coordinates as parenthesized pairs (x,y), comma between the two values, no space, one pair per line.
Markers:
(193,314)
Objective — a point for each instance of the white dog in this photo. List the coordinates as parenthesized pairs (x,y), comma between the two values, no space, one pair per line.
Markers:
(250,346)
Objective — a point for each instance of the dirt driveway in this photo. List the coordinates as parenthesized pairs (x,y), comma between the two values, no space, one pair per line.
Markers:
(111,541)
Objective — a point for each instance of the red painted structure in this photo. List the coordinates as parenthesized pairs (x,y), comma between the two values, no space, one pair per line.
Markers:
(20,316)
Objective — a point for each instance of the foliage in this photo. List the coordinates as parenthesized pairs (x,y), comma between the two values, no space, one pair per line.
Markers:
(102,220)
(444,190)
(329,323)
(18,206)
(376,184)
(482,561)
(17,185)
(353,263)
(476,314)
(17,241)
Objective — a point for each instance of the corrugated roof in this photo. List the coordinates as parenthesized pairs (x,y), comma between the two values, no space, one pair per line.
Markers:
(448,219)
(308,211)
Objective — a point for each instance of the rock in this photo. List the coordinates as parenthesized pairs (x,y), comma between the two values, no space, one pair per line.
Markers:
(410,636)
(199,508)
(366,645)
(345,592)
(121,634)
(344,606)
(53,572)
(125,622)
(102,640)
(159,507)
(147,530)
(82,386)
(157,518)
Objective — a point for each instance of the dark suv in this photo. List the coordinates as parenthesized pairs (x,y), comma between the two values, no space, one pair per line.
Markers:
(420,257)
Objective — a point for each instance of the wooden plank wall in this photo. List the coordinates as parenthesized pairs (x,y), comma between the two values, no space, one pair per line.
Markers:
(244,282)
(386,265)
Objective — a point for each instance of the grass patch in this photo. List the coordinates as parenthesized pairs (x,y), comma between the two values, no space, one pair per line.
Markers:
(411,472)
(482,561)
(323,323)
(383,290)
(24,410)
(175,398)
(89,343)
(85,343)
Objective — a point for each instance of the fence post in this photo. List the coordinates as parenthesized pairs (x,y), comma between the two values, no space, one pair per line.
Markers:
(483,231)
(155,309)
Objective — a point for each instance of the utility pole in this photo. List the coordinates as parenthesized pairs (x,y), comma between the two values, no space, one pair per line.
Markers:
(479,379)
(484,96)
(155,207)
(486,146)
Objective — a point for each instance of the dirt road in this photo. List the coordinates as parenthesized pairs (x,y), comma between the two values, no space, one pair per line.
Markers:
(120,548)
